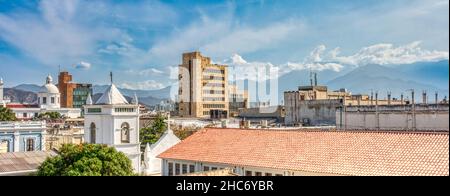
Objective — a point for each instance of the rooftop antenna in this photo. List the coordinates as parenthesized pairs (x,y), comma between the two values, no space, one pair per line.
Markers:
(315,79)
(310,76)
(111,76)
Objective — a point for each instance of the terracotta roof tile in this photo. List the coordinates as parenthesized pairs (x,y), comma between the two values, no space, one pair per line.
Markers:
(334,152)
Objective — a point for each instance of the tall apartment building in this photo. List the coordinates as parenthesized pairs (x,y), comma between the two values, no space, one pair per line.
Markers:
(73,95)
(203,88)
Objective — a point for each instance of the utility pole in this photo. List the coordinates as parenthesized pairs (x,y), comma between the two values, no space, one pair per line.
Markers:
(377,116)
(413,110)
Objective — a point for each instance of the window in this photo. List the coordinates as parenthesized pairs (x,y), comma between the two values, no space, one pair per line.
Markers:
(268,174)
(191,168)
(24,115)
(248,173)
(30,144)
(278,174)
(44,100)
(213,168)
(94,110)
(205,168)
(184,167)
(170,168)
(4,146)
(124,109)
(92,129)
(125,133)
(258,174)
(177,169)
(52,100)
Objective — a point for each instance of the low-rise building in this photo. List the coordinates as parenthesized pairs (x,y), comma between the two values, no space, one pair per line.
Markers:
(412,117)
(152,164)
(310,152)
(22,136)
(315,105)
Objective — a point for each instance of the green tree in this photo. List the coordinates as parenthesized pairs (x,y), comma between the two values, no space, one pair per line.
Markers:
(50,115)
(86,160)
(152,133)
(7,114)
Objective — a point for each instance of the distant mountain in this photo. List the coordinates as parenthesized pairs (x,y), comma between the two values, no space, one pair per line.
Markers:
(20,96)
(29,87)
(382,79)
(432,73)
(157,94)
(148,101)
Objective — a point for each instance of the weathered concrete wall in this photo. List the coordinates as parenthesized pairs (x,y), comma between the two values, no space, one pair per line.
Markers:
(394,117)
(274,112)
(314,112)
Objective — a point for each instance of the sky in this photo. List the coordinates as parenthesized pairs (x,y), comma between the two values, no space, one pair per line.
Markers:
(141,41)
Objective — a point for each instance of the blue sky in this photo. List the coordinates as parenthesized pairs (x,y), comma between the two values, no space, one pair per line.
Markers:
(141,41)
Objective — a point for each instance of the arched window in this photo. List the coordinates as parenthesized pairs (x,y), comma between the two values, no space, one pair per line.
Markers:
(30,144)
(93,130)
(125,133)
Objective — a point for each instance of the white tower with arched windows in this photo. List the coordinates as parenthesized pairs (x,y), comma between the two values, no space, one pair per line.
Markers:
(114,122)
(49,96)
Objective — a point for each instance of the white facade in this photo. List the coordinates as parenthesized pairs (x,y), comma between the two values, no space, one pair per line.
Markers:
(180,167)
(152,164)
(49,96)
(114,123)
(22,136)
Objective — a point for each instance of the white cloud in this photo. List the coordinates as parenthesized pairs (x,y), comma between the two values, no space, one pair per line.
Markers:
(82,65)
(222,35)
(144,85)
(319,60)
(387,54)
(62,31)
(145,72)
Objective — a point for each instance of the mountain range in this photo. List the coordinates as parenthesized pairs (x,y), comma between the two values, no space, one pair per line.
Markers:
(398,79)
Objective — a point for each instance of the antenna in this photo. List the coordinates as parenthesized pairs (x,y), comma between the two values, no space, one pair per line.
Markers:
(111,76)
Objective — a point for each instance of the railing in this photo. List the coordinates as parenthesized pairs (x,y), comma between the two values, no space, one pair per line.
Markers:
(22,125)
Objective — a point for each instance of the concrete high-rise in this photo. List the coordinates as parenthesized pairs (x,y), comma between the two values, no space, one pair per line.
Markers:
(203,87)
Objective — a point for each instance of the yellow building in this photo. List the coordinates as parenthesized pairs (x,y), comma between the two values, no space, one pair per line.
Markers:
(203,87)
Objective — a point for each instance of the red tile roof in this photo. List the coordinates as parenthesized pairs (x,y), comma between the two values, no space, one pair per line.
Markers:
(330,152)
(19,105)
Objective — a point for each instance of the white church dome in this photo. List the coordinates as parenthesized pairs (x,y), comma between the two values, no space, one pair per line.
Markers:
(49,87)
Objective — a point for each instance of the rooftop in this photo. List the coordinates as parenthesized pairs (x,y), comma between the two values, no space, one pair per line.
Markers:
(360,153)
(15,163)
(112,96)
